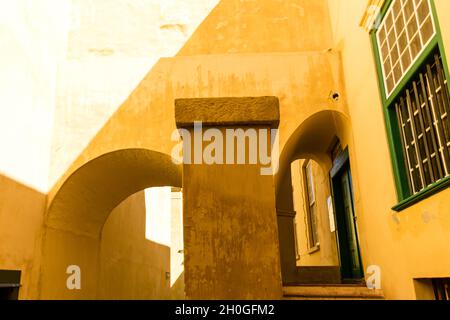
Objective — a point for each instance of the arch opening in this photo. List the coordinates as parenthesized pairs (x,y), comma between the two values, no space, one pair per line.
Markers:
(145,259)
(97,202)
(306,197)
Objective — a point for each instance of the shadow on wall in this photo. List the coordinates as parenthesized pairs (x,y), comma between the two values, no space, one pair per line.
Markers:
(22,212)
(233,26)
(82,200)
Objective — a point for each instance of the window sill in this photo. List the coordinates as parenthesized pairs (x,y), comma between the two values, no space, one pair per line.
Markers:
(422,195)
(314,249)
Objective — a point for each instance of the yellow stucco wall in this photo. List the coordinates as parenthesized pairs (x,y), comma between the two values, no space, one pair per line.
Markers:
(228,55)
(415,242)
(262,26)
(21,219)
(131,266)
(302,81)
(146,119)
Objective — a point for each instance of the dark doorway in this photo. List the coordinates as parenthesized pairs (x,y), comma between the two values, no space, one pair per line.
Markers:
(347,234)
(9,284)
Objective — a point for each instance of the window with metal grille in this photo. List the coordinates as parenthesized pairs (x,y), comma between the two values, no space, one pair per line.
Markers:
(441,288)
(413,77)
(423,109)
(406,30)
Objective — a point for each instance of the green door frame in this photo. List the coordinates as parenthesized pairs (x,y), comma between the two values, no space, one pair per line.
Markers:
(340,166)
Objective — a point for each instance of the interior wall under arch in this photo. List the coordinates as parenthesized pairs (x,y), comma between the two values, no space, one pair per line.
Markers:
(327,254)
(77,214)
(131,266)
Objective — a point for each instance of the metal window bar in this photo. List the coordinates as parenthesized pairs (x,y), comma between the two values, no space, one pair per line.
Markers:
(438,106)
(428,168)
(423,115)
(441,288)
(445,103)
(431,131)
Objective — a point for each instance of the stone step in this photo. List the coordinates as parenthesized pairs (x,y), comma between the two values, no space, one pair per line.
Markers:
(331,292)
(318,275)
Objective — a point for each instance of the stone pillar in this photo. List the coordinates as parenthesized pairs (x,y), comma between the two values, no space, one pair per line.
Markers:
(288,256)
(286,230)
(230,222)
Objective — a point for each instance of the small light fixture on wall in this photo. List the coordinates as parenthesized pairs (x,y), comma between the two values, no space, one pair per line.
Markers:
(335,96)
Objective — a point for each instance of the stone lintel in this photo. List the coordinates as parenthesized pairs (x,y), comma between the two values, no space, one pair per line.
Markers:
(227,111)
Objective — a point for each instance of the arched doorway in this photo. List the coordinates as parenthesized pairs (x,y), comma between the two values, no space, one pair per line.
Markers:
(77,214)
(312,207)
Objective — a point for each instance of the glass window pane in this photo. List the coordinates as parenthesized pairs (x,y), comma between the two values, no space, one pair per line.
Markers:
(402,42)
(408,9)
(384,51)
(413,30)
(427,30)
(382,35)
(423,11)
(395,54)
(389,21)
(313,226)
(397,7)
(387,66)
(399,23)
(406,60)
(390,83)
(391,39)
(415,46)
(397,72)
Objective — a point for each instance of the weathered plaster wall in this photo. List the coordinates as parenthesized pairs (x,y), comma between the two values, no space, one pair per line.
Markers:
(229,209)
(415,242)
(249,26)
(146,120)
(302,81)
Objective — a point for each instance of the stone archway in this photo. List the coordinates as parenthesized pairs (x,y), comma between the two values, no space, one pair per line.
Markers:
(78,211)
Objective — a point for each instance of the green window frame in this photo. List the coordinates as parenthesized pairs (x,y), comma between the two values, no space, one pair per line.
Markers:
(406,195)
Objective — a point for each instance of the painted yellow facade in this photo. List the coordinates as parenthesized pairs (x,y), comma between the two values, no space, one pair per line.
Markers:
(73,193)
